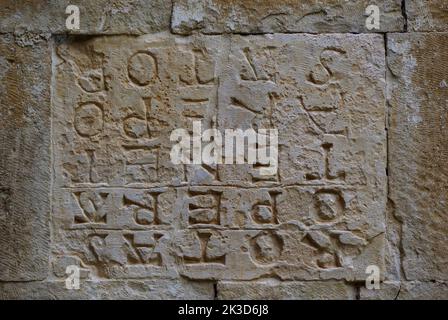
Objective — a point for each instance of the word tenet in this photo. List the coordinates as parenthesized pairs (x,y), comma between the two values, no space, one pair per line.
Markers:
(206,147)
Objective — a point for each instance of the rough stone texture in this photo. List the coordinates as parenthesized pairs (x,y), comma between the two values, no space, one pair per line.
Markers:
(24,159)
(125,211)
(261,16)
(275,290)
(92,167)
(418,150)
(108,290)
(407,290)
(424,15)
(96,17)
(414,290)
(389,290)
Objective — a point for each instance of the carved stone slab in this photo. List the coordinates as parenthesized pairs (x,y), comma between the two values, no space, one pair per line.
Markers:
(122,209)
(427,15)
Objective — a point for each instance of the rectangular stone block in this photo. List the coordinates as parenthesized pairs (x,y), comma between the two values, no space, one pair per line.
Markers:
(96,17)
(275,290)
(389,290)
(420,290)
(261,16)
(123,209)
(424,15)
(418,144)
(407,290)
(108,290)
(25,131)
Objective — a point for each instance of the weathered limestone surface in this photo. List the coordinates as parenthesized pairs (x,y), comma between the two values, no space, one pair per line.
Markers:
(122,209)
(261,16)
(418,150)
(25,179)
(277,290)
(407,290)
(413,290)
(85,149)
(96,17)
(389,290)
(108,290)
(424,15)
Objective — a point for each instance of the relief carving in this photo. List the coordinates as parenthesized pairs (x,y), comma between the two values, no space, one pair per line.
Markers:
(125,210)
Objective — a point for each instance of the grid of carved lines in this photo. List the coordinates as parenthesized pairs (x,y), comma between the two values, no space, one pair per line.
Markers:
(202,225)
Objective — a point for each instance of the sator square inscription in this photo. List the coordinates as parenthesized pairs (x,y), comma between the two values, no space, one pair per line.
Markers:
(122,209)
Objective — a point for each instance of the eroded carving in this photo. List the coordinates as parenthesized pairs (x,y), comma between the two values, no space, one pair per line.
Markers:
(124,249)
(329,204)
(126,211)
(204,208)
(266,247)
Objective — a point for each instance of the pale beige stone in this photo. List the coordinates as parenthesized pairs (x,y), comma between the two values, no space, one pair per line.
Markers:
(271,289)
(418,173)
(419,290)
(407,290)
(424,15)
(96,17)
(108,290)
(124,210)
(25,179)
(263,16)
(389,290)
(85,150)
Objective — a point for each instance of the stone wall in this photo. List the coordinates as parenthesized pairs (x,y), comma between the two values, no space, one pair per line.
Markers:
(86,178)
